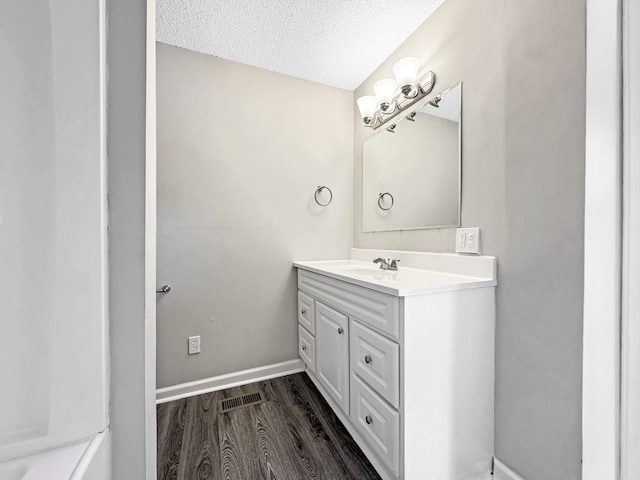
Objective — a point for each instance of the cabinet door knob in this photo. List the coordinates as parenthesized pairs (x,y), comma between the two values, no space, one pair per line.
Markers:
(368,419)
(367,359)
(304,312)
(340,330)
(304,347)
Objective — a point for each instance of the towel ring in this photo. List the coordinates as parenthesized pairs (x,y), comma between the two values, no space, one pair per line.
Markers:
(381,196)
(319,191)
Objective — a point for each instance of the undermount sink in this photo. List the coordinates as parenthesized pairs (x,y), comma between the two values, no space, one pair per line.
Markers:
(365,271)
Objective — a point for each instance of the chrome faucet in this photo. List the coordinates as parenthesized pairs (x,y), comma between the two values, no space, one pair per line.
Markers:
(387,264)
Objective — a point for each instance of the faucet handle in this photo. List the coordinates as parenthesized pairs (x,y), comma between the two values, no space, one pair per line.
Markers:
(394,263)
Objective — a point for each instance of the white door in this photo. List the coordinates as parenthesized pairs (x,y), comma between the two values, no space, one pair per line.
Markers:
(332,353)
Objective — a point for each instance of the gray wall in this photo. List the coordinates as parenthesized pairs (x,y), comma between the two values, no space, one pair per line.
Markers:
(523,68)
(132,431)
(241,151)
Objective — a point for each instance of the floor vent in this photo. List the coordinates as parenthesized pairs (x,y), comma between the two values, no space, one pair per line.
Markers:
(234,403)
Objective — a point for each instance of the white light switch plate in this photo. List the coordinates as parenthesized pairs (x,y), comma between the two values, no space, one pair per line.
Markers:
(468,240)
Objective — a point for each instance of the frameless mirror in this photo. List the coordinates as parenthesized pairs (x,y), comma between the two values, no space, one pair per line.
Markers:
(412,172)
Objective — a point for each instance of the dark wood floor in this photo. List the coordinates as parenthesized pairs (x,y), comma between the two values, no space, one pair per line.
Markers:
(294,435)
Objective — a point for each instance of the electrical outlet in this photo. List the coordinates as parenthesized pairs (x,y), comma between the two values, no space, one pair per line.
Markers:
(194,345)
(468,240)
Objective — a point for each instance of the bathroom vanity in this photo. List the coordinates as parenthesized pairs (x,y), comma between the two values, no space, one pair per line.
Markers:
(405,358)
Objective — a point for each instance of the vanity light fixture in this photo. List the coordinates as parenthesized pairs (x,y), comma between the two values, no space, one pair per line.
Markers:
(394,95)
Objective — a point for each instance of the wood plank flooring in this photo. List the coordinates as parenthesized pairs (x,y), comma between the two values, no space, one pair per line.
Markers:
(294,435)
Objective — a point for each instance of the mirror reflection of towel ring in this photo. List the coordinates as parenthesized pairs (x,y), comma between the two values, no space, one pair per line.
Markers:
(381,197)
(319,191)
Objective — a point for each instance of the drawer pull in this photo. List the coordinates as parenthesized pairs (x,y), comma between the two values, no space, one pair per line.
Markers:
(304,347)
(368,419)
(303,311)
(340,330)
(367,359)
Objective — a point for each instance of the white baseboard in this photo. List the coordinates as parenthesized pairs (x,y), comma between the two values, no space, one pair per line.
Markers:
(228,380)
(502,472)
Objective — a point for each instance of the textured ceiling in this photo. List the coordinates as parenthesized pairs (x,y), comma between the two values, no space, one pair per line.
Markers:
(335,42)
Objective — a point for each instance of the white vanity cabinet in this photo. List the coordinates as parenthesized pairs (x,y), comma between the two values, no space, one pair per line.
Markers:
(410,375)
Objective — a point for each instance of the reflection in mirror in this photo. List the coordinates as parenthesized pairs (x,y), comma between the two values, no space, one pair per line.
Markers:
(411,172)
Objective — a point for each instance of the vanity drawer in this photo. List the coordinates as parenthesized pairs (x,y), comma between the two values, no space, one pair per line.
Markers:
(375,309)
(307,348)
(376,360)
(306,312)
(377,422)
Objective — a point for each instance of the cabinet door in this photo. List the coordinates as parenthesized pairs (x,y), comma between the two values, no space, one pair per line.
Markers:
(332,354)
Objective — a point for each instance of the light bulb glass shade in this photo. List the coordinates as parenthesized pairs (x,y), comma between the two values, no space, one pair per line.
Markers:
(406,71)
(367,105)
(385,90)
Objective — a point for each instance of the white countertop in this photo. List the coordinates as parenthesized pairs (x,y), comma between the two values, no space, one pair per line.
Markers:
(404,282)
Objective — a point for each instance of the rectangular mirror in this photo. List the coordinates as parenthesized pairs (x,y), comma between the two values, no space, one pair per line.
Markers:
(412,172)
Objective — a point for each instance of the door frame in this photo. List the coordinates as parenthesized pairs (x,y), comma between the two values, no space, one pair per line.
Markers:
(131,165)
(602,242)
(150,217)
(611,358)
(630,340)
